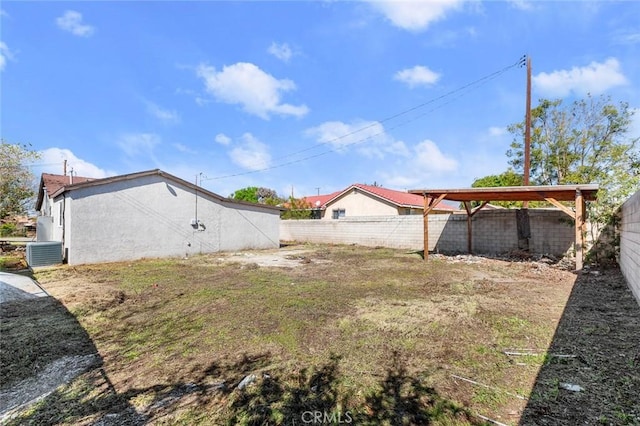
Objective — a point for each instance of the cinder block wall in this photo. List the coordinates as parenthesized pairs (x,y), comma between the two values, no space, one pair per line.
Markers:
(372,231)
(630,243)
(552,232)
(494,231)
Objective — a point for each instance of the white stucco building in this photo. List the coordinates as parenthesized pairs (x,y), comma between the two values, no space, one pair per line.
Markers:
(147,214)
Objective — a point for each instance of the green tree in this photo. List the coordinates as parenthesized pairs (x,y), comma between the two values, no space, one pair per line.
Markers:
(508,178)
(249,194)
(254,194)
(297,209)
(587,141)
(16,179)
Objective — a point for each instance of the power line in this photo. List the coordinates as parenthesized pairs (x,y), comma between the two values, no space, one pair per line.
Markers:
(44,164)
(414,108)
(460,91)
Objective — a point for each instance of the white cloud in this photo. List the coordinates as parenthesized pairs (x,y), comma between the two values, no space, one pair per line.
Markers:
(429,157)
(134,144)
(183,148)
(627,36)
(250,153)
(280,51)
(369,137)
(415,15)
(417,76)
(80,167)
(244,83)
(426,161)
(3,13)
(71,21)
(497,131)
(594,78)
(5,54)
(164,115)
(341,135)
(521,4)
(223,139)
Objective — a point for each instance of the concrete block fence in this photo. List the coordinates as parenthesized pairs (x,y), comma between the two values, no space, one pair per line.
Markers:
(494,231)
(630,243)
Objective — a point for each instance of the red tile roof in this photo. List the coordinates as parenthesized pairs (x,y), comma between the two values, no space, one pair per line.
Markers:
(52,183)
(312,200)
(399,198)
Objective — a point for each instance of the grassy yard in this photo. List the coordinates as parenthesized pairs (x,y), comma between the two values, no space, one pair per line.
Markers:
(352,334)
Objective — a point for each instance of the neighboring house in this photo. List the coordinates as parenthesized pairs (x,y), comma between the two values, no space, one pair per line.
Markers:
(149,214)
(368,200)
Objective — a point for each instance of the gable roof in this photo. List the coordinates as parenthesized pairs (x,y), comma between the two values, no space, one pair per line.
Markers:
(52,184)
(397,198)
(313,200)
(97,182)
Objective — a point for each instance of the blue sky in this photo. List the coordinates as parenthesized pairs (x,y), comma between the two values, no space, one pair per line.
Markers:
(310,95)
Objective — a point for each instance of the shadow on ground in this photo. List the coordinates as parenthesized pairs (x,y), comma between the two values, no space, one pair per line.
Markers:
(42,347)
(52,374)
(598,346)
(305,396)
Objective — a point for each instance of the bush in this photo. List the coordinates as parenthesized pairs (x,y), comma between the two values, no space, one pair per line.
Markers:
(7,229)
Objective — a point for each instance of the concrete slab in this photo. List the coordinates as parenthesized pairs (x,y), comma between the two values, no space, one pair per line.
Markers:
(19,287)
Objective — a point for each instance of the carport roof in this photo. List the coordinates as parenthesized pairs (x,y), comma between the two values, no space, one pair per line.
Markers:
(514,193)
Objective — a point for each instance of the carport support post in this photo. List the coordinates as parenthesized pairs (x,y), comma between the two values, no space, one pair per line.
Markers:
(425,214)
(467,207)
(579,224)
(429,203)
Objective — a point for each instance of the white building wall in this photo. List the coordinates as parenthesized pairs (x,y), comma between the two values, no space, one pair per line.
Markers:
(44,228)
(630,243)
(45,208)
(56,225)
(45,221)
(151,217)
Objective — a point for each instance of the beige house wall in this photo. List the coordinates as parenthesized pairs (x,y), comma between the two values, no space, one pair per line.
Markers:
(357,203)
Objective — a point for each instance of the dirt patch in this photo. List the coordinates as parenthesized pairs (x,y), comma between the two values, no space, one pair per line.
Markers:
(283,258)
(406,315)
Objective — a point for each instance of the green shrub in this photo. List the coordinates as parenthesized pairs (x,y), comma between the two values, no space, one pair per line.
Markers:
(7,229)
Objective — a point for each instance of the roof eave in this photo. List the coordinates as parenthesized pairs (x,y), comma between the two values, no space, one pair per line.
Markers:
(166,175)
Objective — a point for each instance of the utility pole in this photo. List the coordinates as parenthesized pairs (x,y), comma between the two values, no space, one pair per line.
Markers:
(527,130)
(196,192)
